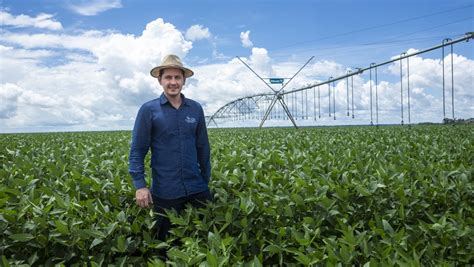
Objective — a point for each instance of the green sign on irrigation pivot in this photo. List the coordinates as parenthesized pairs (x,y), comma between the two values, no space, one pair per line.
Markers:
(276,80)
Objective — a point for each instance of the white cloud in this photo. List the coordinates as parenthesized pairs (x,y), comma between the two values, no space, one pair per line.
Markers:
(426,103)
(261,61)
(9,94)
(84,41)
(245,38)
(92,8)
(25,53)
(197,32)
(98,79)
(42,21)
(120,54)
(35,99)
(425,93)
(325,69)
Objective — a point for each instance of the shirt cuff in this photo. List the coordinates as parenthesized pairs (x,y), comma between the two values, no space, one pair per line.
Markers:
(138,180)
(139,183)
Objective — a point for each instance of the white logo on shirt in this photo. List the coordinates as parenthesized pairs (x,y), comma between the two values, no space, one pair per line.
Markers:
(190,119)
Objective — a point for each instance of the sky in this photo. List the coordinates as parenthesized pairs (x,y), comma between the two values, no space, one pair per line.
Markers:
(78,65)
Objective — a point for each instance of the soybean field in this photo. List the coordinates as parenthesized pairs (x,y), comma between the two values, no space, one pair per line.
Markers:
(334,196)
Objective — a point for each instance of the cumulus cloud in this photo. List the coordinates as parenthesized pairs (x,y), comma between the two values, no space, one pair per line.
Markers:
(42,21)
(103,77)
(427,73)
(84,41)
(35,99)
(261,61)
(423,102)
(25,53)
(217,84)
(9,94)
(94,7)
(120,54)
(98,79)
(325,69)
(425,91)
(245,39)
(197,32)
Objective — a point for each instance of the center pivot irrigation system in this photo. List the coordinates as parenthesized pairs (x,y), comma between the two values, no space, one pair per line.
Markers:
(263,106)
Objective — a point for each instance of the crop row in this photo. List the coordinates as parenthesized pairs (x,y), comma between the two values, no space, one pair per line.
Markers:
(315,196)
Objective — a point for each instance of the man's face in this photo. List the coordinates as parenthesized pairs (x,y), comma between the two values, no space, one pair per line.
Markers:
(172,81)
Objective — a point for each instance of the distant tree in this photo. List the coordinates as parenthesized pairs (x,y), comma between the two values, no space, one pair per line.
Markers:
(448,121)
(458,121)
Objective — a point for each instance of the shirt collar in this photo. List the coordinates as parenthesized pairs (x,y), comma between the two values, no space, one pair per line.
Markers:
(164,100)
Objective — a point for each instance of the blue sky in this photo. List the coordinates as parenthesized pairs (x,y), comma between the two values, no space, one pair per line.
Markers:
(83,65)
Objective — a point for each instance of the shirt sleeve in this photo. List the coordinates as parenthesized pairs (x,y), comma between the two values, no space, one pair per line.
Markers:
(141,140)
(202,145)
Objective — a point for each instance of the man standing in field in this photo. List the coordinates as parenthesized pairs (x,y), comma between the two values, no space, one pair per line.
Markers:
(174,128)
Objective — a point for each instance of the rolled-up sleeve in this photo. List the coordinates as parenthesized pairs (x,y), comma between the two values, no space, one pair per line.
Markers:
(141,141)
(202,145)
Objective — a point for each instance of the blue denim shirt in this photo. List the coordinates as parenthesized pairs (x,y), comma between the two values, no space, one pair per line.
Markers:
(180,153)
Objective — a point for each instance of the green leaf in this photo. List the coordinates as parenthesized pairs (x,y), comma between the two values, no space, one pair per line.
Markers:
(243,222)
(121,261)
(255,263)
(94,233)
(387,227)
(33,258)
(96,242)
(288,211)
(302,258)
(272,249)
(297,198)
(178,254)
(228,216)
(198,258)
(175,219)
(62,227)
(121,217)
(5,261)
(211,259)
(345,254)
(363,191)
(121,243)
(61,203)
(21,237)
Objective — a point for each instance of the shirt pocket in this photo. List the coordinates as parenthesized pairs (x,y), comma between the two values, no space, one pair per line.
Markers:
(190,124)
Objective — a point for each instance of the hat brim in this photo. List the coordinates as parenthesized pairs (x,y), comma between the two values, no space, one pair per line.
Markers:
(155,72)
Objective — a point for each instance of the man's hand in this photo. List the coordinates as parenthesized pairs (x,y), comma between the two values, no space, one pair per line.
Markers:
(143,197)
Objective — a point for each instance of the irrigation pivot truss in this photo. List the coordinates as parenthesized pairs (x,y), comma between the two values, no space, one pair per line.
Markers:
(305,103)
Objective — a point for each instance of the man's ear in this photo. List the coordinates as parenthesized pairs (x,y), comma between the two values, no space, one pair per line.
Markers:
(184,80)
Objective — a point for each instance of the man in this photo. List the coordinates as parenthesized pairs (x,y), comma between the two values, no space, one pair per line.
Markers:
(174,128)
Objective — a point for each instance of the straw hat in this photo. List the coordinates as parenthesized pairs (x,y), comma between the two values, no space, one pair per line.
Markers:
(171,61)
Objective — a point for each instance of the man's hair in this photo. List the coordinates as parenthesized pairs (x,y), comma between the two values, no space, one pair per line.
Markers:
(162,70)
